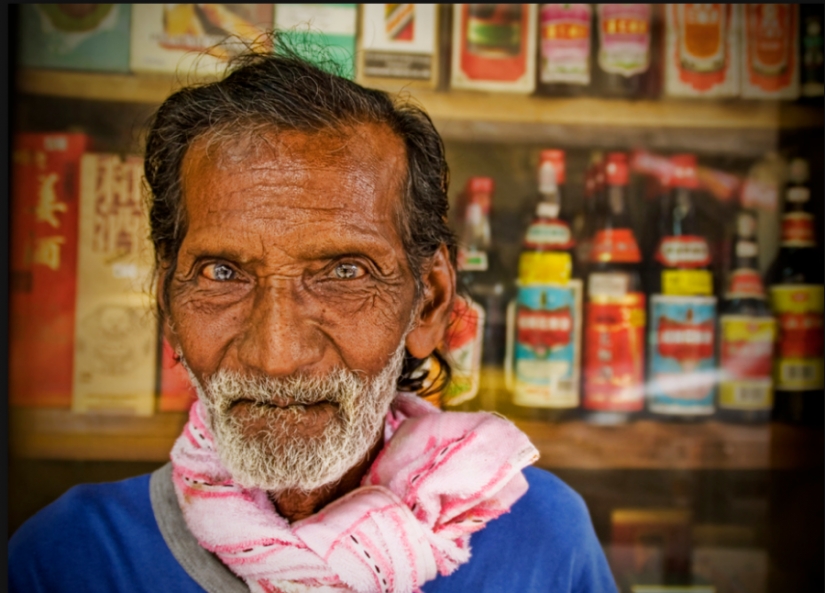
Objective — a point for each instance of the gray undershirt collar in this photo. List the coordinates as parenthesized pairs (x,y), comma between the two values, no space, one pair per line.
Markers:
(200,564)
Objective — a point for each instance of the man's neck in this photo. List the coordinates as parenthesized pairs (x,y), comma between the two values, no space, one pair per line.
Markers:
(295,504)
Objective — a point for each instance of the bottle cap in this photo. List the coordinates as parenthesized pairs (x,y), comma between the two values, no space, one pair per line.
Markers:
(798,171)
(556,158)
(483,185)
(616,168)
(683,172)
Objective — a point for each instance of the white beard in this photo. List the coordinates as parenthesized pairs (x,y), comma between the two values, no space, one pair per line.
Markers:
(279,457)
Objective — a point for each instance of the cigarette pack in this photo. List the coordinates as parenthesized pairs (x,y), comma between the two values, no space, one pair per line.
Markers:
(75,36)
(702,50)
(196,39)
(770,51)
(494,47)
(399,45)
(321,31)
(115,334)
(43,262)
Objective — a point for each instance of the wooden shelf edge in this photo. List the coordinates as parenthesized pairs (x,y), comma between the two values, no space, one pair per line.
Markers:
(468,106)
(60,434)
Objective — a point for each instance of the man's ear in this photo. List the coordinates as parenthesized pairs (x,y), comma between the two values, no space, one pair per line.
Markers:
(436,304)
(163,310)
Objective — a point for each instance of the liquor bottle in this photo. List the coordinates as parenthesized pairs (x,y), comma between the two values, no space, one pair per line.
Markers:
(681,336)
(796,294)
(615,309)
(624,54)
(564,49)
(544,339)
(746,334)
(812,76)
(476,340)
(584,223)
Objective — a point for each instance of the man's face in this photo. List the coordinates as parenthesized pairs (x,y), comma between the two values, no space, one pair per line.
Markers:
(292,269)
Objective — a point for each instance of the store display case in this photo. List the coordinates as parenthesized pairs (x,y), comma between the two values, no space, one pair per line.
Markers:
(735,506)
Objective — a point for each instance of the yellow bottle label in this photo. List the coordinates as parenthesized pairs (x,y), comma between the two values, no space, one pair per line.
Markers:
(746,351)
(687,282)
(545,267)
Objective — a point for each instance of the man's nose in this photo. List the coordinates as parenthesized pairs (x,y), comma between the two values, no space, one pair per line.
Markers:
(280,336)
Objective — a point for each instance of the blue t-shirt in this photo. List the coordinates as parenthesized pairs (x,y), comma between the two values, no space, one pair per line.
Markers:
(104,538)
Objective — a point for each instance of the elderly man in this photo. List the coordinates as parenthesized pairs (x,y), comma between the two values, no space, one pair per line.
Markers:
(305,274)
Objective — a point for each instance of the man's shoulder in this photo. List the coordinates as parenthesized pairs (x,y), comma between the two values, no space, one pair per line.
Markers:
(86,505)
(550,502)
(95,537)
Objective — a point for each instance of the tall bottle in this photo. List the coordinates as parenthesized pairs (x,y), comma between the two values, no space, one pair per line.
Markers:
(746,334)
(544,341)
(614,309)
(627,61)
(681,339)
(564,46)
(476,339)
(796,294)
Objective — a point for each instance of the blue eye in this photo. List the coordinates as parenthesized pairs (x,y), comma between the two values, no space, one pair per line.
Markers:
(348,271)
(219,272)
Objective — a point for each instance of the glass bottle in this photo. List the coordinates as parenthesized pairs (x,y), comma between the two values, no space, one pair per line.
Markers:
(544,341)
(624,64)
(614,309)
(564,49)
(746,334)
(464,341)
(681,338)
(796,294)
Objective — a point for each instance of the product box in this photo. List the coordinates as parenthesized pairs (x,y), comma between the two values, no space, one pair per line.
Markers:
(399,45)
(649,546)
(494,47)
(325,30)
(75,36)
(115,334)
(196,39)
(770,51)
(702,50)
(176,390)
(43,260)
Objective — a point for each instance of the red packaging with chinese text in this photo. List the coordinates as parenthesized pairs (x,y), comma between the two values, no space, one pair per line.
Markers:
(45,189)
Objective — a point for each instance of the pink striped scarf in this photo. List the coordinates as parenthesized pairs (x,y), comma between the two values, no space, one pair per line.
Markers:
(439,478)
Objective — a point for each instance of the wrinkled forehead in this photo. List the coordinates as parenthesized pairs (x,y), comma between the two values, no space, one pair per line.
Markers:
(374,148)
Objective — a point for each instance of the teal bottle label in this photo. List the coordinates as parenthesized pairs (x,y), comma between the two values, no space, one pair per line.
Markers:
(545,330)
(682,355)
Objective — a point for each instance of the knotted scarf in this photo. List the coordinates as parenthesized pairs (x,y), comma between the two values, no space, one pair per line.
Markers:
(439,478)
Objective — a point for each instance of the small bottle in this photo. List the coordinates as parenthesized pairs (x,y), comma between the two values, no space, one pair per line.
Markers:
(564,49)
(682,336)
(796,294)
(746,334)
(475,341)
(812,77)
(544,340)
(614,309)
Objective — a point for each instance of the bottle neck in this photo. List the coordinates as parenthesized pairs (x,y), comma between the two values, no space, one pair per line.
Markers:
(682,213)
(477,235)
(616,214)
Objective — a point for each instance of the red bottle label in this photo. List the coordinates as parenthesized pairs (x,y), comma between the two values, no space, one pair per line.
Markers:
(798,229)
(615,245)
(745,283)
(683,252)
(686,341)
(544,330)
(614,354)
